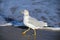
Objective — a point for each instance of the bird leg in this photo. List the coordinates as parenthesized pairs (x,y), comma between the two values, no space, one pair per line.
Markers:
(26,31)
(34,34)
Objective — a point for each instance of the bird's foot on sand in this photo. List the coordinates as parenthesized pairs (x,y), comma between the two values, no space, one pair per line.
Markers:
(34,34)
(23,33)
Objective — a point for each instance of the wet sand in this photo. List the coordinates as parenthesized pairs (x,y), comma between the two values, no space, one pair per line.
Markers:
(11,33)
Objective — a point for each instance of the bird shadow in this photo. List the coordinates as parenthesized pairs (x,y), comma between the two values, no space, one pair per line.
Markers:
(23,27)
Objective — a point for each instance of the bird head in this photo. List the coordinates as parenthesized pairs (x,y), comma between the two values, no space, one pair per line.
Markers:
(25,12)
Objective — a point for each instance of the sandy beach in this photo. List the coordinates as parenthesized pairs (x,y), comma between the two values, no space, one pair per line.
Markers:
(11,33)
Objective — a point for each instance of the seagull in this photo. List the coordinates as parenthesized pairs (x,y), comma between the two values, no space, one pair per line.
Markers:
(31,22)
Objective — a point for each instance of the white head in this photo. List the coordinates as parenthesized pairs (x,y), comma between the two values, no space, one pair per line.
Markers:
(25,12)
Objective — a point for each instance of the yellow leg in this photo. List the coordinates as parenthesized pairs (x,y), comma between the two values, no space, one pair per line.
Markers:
(34,34)
(26,31)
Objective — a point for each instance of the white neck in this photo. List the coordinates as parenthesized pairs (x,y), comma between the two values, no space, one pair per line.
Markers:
(26,15)
(26,18)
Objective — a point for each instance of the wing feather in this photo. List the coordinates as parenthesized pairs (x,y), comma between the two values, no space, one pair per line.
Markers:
(36,23)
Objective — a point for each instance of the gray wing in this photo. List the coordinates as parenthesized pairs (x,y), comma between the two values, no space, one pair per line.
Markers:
(36,23)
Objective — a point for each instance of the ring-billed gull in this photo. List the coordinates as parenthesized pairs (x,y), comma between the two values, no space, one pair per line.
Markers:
(32,22)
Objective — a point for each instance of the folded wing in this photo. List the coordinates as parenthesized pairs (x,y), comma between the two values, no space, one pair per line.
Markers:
(36,23)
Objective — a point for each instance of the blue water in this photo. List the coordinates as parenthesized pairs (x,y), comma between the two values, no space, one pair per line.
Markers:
(42,10)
